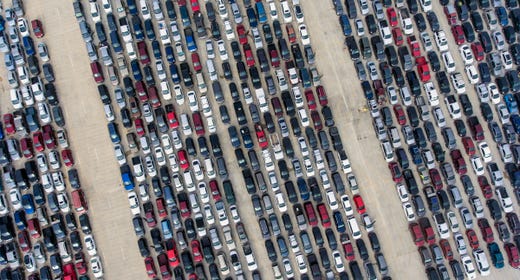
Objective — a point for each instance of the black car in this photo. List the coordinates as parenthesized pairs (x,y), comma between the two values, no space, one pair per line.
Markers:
(298,56)
(502,84)
(371,23)
(420,22)
(494,209)
(485,74)
(398,76)
(460,126)
(477,21)
(444,83)
(467,108)
(509,34)
(434,61)
(353,48)
(485,40)
(391,56)
(362,249)
(235,50)
(268,34)
(433,20)
(469,33)
(514,49)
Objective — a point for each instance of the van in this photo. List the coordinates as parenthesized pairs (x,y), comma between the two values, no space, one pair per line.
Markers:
(364,45)
(381,264)
(264,228)
(388,151)
(79,202)
(78,10)
(185,124)
(425,256)
(213,76)
(85,31)
(201,84)
(210,170)
(379,128)
(395,139)
(456,196)
(354,227)
(260,181)
(64,251)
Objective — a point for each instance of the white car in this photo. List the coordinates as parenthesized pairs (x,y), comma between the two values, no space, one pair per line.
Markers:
(90,244)
(179,96)
(273,12)
(228,29)
(507,60)
(304,119)
(43,52)
(222,50)
(286,12)
(402,193)
(449,62)
(94,12)
(372,70)
(485,152)
(4,206)
(466,54)
(331,200)
(482,92)
(460,244)
(159,156)
(452,220)
(197,170)
(392,94)
(477,165)
(338,262)
(482,262)
(181,56)
(234,213)
(203,192)
(176,35)
(453,106)
(192,101)
(347,206)
(304,34)
(133,200)
(95,267)
(406,21)
(363,6)
(172,160)
(442,226)
(503,113)
(23,27)
(54,160)
(426,41)
(44,112)
(360,28)
(469,268)
(472,74)
(63,202)
(440,39)
(500,42)
(148,112)
(439,117)
(386,34)
(145,11)
(120,154)
(15,198)
(300,262)
(408,211)
(494,93)
(458,82)
(150,166)
(208,214)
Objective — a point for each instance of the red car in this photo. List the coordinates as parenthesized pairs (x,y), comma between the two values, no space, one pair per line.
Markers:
(273,54)
(472,238)
(399,114)
(23,241)
(164,267)
(446,249)
(417,234)
(80,264)
(485,229)
(423,69)
(311,101)
(485,187)
(27,148)
(33,226)
(161,208)
(144,58)
(392,16)
(311,214)
(512,255)
(316,119)
(154,97)
(360,205)
(183,206)
(415,48)
(250,60)
(290,33)
(458,161)
(171,117)
(139,127)
(171,252)
(9,124)
(435,176)
(195,60)
(397,175)
(398,36)
(322,96)
(469,146)
(38,144)
(197,252)
(149,214)
(350,255)
(48,137)
(324,215)
(197,123)
(183,159)
(140,88)
(458,34)
(215,193)
(260,135)
(66,157)
(195,7)
(37,28)
(68,272)
(150,268)
(97,73)
(242,36)
(478,51)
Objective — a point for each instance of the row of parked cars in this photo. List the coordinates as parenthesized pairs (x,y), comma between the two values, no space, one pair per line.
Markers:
(188,178)
(40,234)
(417,138)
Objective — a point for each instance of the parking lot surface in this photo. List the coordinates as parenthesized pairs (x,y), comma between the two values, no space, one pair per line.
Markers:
(100,176)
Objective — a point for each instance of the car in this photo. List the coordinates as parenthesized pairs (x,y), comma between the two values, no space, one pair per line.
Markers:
(512,254)
(486,231)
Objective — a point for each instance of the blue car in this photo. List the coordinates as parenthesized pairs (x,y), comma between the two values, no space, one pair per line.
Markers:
(132,7)
(174,73)
(156,49)
(190,40)
(20,220)
(416,154)
(304,190)
(345,25)
(502,15)
(511,104)
(515,120)
(28,45)
(114,134)
(251,15)
(260,11)
(166,228)
(116,42)
(28,203)
(168,50)
(185,16)
(138,28)
(150,32)
(338,220)
(136,70)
